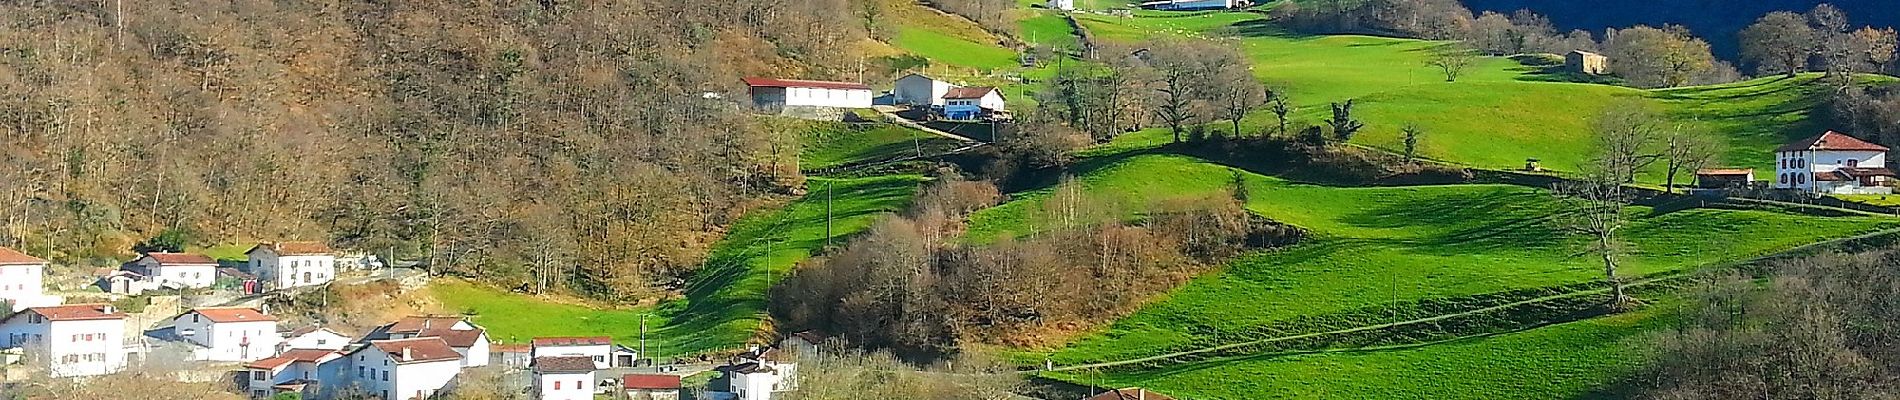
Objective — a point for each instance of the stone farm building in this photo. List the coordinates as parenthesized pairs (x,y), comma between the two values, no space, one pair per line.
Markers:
(1586,63)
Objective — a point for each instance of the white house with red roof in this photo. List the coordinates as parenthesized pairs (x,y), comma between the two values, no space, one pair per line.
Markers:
(23,281)
(403,369)
(1833,162)
(282,265)
(228,333)
(971,102)
(651,386)
(309,372)
(69,340)
(775,93)
(597,348)
(564,378)
(176,270)
(468,340)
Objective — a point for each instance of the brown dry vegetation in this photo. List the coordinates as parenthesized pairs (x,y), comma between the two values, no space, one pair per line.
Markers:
(505,140)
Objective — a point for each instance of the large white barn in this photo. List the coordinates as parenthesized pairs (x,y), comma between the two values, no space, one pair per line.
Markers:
(774,93)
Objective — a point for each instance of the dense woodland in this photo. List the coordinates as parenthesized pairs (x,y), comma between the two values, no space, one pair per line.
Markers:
(1717,20)
(544,144)
(1824,327)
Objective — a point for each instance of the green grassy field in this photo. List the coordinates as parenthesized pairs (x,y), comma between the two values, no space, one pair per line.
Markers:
(832,144)
(1496,115)
(1378,246)
(724,304)
(1577,360)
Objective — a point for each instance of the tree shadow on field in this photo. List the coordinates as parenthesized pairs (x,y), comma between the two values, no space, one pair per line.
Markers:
(1469,222)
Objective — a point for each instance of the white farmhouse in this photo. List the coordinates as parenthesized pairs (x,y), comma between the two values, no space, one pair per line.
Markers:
(228,333)
(404,369)
(971,102)
(23,281)
(1833,163)
(759,374)
(564,378)
(1064,5)
(313,337)
(920,91)
(596,348)
(176,270)
(309,372)
(70,340)
(284,265)
(780,93)
(468,340)
(651,386)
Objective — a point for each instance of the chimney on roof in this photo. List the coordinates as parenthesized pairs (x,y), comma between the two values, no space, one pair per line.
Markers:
(426,322)
(406,356)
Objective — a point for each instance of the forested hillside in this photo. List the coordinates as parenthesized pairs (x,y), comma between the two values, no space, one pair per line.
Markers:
(505,139)
(1716,20)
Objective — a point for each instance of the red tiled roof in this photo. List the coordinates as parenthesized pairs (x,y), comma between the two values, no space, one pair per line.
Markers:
(290,356)
(420,349)
(1724,171)
(1133,393)
(774,82)
(564,364)
(648,381)
(969,92)
(293,248)
(9,256)
(415,323)
(1831,140)
(509,348)
(181,258)
(232,314)
(573,341)
(77,312)
(1831,176)
(455,337)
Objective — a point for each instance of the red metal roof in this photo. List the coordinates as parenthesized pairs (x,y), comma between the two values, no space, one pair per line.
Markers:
(232,314)
(774,82)
(649,381)
(1831,140)
(455,337)
(181,258)
(969,92)
(9,256)
(573,341)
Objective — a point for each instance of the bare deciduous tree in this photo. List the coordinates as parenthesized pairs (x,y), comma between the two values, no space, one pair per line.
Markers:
(1686,150)
(1452,60)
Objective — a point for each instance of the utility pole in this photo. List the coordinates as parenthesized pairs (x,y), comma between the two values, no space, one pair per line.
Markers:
(643,345)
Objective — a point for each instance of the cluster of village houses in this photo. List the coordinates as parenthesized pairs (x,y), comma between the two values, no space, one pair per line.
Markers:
(412,358)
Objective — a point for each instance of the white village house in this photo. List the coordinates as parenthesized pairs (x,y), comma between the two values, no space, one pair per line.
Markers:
(760,374)
(313,373)
(1187,5)
(469,341)
(404,369)
(971,102)
(313,338)
(770,93)
(1064,5)
(283,265)
(651,386)
(1833,163)
(23,281)
(176,270)
(564,377)
(596,348)
(917,90)
(228,333)
(69,340)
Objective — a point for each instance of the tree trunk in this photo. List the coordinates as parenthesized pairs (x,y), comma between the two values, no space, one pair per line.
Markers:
(1669,183)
